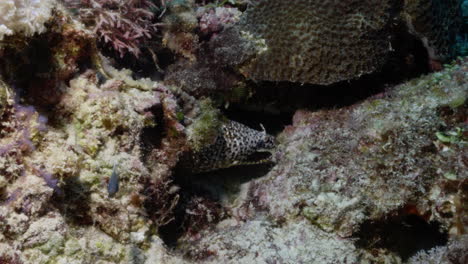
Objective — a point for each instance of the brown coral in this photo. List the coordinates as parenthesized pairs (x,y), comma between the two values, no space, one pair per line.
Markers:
(320,42)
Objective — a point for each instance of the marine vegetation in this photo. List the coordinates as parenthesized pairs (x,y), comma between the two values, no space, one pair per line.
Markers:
(123,25)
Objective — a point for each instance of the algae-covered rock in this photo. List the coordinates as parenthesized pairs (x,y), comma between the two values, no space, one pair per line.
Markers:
(205,127)
(54,174)
(453,252)
(351,173)
(371,158)
(260,241)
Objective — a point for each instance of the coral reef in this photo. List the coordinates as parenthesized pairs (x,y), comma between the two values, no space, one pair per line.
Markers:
(180,23)
(319,42)
(22,129)
(100,165)
(340,170)
(25,17)
(54,170)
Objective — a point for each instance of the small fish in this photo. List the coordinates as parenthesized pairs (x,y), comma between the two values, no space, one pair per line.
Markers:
(113,186)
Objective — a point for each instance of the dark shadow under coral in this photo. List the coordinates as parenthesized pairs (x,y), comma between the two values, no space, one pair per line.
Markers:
(404,235)
(225,183)
(408,60)
(214,190)
(151,137)
(151,63)
(73,202)
(273,122)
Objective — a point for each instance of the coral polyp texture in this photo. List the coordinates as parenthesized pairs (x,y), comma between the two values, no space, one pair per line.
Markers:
(26,17)
(318,42)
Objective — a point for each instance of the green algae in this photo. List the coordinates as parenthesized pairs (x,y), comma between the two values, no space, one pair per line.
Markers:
(53,246)
(204,129)
(455,136)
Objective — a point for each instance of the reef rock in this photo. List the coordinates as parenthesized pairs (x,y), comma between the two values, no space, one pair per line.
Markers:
(343,176)
(55,165)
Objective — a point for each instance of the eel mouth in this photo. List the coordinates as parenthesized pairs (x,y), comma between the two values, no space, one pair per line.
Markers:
(258,157)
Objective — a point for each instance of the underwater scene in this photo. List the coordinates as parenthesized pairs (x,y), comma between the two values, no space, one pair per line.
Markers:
(233,131)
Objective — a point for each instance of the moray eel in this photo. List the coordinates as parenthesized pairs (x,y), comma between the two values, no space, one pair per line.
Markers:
(236,144)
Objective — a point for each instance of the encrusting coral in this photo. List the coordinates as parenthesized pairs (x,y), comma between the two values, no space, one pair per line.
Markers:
(319,42)
(313,42)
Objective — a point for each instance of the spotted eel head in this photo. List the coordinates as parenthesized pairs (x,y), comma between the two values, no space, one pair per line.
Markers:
(267,142)
(236,144)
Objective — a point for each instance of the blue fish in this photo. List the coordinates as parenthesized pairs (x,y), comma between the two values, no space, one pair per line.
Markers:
(113,186)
